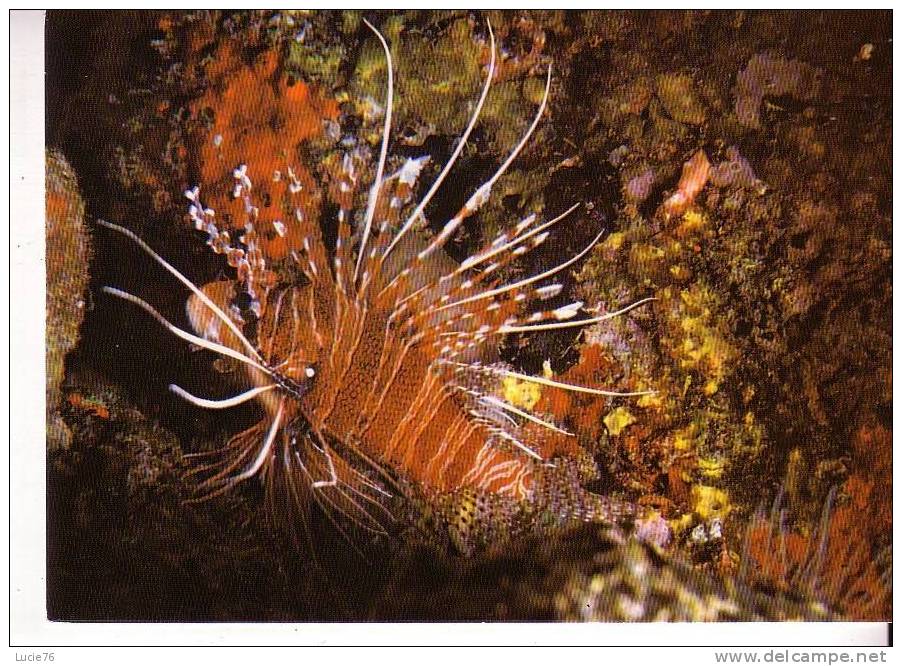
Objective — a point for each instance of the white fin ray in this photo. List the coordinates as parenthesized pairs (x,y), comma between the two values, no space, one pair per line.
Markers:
(188,283)
(501,432)
(501,404)
(185,335)
(267,445)
(206,403)
(383,152)
(570,324)
(483,192)
(453,159)
(525,282)
(477,259)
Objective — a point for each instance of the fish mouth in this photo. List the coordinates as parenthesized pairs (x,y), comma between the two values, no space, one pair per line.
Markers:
(296,389)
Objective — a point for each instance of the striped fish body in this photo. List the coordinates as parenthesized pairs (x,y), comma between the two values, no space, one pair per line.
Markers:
(375,392)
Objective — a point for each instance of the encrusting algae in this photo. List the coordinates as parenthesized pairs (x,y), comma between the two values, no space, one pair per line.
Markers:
(733,210)
(68,253)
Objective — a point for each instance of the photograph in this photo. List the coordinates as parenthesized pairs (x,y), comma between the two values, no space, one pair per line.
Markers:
(468,316)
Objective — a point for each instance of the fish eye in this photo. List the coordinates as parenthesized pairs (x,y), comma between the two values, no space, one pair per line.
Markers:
(296,385)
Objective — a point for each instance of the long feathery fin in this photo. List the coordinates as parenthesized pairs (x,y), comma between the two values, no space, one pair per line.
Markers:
(498,246)
(460,146)
(185,335)
(386,131)
(481,257)
(549,382)
(481,195)
(570,324)
(522,283)
(188,283)
(496,402)
(333,477)
(267,445)
(517,443)
(532,128)
(220,404)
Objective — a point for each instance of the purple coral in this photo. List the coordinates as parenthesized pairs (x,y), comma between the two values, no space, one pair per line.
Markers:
(770,76)
(735,170)
(639,187)
(653,529)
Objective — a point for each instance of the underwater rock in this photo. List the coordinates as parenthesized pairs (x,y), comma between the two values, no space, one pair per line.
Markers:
(626,581)
(677,94)
(735,170)
(588,574)
(117,500)
(771,76)
(68,256)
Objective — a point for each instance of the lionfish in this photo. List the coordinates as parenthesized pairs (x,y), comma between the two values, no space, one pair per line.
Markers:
(371,361)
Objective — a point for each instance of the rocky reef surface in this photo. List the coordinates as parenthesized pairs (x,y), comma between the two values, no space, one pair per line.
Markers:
(741,165)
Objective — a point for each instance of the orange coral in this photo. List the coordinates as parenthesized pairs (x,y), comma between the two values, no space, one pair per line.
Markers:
(584,411)
(60,205)
(695,175)
(836,562)
(836,567)
(872,486)
(258,119)
(585,415)
(90,405)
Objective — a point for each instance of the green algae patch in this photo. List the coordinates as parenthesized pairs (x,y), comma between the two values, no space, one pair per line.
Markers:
(677,94)
(618,420)
(709,502)
(697,342)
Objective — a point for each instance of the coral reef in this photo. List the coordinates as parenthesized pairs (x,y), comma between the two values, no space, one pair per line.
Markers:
(740,165)
(68,253)
(238,128)
(844,560)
